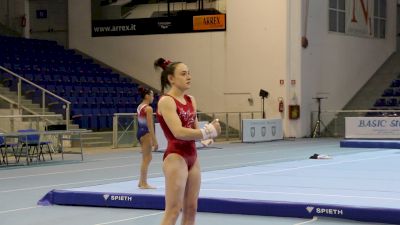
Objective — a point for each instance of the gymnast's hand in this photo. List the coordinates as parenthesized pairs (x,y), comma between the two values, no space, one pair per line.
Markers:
(211,130)
(217,126)
(155,145)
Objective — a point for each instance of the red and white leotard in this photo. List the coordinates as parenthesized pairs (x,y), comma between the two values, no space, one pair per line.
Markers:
(186,149)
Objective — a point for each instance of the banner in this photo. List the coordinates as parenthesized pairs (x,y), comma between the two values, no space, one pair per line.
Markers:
(209,22)
(126,17)
(360,18)
(258,130)
(372,127)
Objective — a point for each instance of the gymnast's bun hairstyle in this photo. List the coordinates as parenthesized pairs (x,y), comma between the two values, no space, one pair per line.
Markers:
(168,68)
(143,92)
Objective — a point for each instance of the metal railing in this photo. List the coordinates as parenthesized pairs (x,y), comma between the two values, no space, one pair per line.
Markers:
(125,125)
(20,79)
(183,5)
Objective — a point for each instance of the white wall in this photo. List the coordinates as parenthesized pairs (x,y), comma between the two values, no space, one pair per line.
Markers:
(249,56)
(260,47)
(3,11)
(294,92)
(11,12)
(56,20)
(255,53)
(337,65)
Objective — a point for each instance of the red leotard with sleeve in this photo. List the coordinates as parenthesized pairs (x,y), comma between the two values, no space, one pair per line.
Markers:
(186,149)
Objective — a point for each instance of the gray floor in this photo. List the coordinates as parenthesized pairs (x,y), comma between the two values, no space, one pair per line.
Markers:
(21,187)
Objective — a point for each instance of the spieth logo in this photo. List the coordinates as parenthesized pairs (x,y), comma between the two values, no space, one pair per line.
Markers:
(164,25)
(324,211)
(106,197)
(118,198)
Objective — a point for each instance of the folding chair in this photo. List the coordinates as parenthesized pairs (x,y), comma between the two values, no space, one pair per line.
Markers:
(3,150)
(32,143)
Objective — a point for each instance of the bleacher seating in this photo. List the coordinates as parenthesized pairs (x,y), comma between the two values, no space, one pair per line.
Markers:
(95,92)
(389,100)
(388,92)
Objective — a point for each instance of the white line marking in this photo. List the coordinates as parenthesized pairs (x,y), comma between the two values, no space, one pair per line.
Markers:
(295,168)
(304,194)
(128,165)
(73,183)
(118,178)
(137,165)
(20,209)
(70,171)
(111,158)
(309,221)
(129,219)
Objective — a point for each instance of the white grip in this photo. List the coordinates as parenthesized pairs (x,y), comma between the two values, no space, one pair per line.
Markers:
(209,132)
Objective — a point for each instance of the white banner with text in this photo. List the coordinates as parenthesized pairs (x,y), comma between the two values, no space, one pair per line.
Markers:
(372,127)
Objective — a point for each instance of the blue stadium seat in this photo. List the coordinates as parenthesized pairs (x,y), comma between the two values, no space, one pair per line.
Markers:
(392,102)
(389,92)
(395,83)
(380,102)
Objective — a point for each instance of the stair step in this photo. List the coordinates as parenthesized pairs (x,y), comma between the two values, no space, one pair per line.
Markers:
(26,102)
(91,138)
(73,126)
(96,139)
(39,110)
(96,144)
(14,98)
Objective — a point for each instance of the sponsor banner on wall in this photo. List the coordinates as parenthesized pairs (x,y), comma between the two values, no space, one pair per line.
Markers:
(162,140)
(359,18)
(372,127)
(209,22)
(124,17)
(258,130)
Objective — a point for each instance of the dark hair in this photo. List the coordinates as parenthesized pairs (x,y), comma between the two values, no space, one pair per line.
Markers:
(168,69)
(143,92)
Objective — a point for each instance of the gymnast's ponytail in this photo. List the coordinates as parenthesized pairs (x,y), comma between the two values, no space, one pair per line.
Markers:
(168,68)
(143,92)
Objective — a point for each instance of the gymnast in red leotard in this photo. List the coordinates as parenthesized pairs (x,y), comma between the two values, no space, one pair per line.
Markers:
(186,149)
(176,113)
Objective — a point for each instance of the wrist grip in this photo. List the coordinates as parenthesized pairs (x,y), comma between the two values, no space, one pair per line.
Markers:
(208,132)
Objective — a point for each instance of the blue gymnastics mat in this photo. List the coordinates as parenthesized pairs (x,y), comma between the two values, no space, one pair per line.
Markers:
(362,187)
(370,143)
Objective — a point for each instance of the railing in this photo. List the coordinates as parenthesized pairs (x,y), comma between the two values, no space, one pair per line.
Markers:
(198,5)
(332,122)
(125,125)
(44,92)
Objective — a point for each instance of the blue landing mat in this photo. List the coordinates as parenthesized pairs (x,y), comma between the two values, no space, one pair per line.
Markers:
(363,187)
(367,143)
